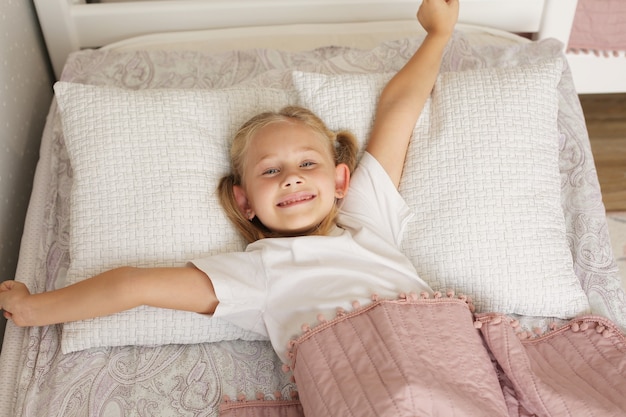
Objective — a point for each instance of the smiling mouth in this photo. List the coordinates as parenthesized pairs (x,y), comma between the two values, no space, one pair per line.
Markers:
(295,200)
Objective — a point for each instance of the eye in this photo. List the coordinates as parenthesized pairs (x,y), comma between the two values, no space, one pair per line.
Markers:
(307,164)
(270,171)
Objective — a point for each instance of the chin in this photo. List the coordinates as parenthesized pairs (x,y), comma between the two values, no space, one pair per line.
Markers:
(300,231)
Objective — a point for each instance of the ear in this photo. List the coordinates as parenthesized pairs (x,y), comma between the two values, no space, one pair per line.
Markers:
(242,202)
(342,180)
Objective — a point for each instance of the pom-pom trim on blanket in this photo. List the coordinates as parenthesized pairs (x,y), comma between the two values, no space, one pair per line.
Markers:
(598,344)
(241,406)
(602,326)
(323,322)
(342,314)
(262,400)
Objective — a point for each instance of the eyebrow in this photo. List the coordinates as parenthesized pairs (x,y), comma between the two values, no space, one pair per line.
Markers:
(302,150)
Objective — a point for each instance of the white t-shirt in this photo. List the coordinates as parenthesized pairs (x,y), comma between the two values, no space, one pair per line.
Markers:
(279,284)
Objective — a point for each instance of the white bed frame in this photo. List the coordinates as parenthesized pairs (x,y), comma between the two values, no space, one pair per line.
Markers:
(69,25)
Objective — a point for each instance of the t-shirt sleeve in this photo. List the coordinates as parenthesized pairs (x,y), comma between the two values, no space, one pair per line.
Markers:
(240,285)
(373,201)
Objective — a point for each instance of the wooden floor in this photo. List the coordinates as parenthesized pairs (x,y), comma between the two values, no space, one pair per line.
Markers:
(606,122)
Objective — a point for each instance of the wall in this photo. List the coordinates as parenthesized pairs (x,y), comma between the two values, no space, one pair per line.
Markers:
(25,95)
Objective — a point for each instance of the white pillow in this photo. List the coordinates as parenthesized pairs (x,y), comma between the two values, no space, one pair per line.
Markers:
(145,170)
(342,101)
(482,176)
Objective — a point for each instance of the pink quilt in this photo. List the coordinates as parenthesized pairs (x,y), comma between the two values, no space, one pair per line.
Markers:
(599,27)
(433,357)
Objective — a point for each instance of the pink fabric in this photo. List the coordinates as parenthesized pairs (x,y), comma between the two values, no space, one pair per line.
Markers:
(425,357)
(599,26)
(276,408)
(398,358)
(577,370)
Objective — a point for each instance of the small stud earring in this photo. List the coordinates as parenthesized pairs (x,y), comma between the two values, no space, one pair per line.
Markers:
(249,215)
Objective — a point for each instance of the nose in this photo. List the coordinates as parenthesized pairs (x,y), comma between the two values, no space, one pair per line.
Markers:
(291,179)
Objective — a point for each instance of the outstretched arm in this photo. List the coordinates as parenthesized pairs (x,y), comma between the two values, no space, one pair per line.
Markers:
(113,291)
(403,99)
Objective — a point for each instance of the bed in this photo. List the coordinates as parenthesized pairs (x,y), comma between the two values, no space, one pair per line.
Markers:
(543,259)
(592,31)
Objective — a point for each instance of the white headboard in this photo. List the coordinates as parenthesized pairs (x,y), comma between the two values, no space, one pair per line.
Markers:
(69,25)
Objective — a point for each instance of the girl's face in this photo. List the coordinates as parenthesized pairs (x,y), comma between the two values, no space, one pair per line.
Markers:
(290,180)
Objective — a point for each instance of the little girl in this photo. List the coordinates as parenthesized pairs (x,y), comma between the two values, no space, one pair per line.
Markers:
(318,238)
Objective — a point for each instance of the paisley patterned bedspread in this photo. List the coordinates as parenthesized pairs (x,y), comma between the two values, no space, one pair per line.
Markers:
(191,380)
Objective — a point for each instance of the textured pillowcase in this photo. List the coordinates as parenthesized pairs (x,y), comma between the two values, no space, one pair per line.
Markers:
(482,176)
(342,101)
(146,166)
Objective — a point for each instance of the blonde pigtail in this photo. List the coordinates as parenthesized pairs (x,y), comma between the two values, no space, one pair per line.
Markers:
(229,203)
(346,149)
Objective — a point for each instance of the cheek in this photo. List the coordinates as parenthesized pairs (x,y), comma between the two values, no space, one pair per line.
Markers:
(330,181)
(257,194)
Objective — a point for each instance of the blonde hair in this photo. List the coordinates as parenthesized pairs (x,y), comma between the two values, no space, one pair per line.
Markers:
(342,146)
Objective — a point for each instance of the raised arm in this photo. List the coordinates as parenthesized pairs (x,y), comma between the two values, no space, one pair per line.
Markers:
(113,291)
(403,99)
